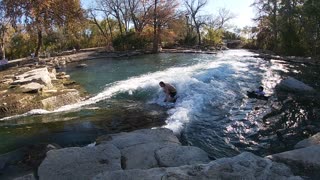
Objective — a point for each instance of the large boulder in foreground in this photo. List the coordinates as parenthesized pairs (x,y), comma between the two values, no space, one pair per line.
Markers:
(141,149)
(243,166)
(313,140)
(292,85)
(79,163)
(305,161)
(149,148)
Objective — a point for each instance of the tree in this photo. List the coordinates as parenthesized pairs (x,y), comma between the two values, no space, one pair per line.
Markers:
(4,27)
(224,16)
(193,8)
(311,22)
(43,15)
(164,12)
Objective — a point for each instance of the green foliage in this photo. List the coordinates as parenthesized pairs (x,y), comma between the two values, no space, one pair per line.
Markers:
(213,36)
(230,35)
(290,27)
(130,41)
(190,39)
(21,45)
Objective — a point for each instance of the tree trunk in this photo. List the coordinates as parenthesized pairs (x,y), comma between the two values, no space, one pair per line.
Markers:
(2,48)
(155,36)
(199,35)
(39,43)
(3,52)
(197,29)
(110,29)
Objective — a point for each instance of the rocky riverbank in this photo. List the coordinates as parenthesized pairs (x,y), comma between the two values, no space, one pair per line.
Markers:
(158,154)
(33,83)
(36,87)
(268,55)
(153,154)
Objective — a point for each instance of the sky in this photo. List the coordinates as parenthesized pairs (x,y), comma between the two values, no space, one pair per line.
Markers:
(241,8)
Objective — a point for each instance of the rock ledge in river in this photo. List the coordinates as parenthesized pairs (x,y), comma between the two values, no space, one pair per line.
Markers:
(292,85)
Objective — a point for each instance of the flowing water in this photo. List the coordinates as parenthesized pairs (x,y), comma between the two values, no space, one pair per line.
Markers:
(211,112)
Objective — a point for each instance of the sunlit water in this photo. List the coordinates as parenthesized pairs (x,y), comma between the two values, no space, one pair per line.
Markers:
(212,111)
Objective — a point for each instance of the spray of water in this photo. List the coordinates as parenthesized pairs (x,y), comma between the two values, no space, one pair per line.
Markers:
(199,86)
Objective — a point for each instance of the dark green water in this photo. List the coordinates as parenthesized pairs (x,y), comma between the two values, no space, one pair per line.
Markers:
(212,110)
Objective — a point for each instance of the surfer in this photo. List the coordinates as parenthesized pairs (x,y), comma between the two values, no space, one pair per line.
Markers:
(170,91)
(259,94)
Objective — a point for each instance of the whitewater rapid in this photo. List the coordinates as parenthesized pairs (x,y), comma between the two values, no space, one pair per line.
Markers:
(215,83)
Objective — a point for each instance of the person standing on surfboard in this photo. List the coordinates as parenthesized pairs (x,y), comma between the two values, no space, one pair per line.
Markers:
(170,91)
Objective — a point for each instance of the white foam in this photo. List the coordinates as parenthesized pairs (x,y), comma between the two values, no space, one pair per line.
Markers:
(32,112)
(201,85)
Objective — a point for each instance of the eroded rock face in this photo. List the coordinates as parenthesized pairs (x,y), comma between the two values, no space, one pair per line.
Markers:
(31,87)
(40,75)
(313,140)
(79,163)
(304,161)
(243,166)
(292,85)
(66,98)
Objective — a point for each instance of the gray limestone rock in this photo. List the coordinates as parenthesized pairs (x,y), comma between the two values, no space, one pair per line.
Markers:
(26,177)
(142,156)
(53,102)
(123,140)
(292,85)
(173,156)
(304,161)
(313,140)
(244,166)
(31,87)
(40,75)
(79,163)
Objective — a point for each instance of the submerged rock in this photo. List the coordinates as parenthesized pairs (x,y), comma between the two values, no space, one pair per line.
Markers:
(313,140)
(243,166)
(292,85)
(82,65)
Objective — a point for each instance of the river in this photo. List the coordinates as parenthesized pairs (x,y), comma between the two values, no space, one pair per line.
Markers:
(211,112)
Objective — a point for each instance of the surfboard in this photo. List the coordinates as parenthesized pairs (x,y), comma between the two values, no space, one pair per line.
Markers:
(254,95)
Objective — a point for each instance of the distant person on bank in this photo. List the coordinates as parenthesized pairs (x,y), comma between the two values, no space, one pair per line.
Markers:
(170,91)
